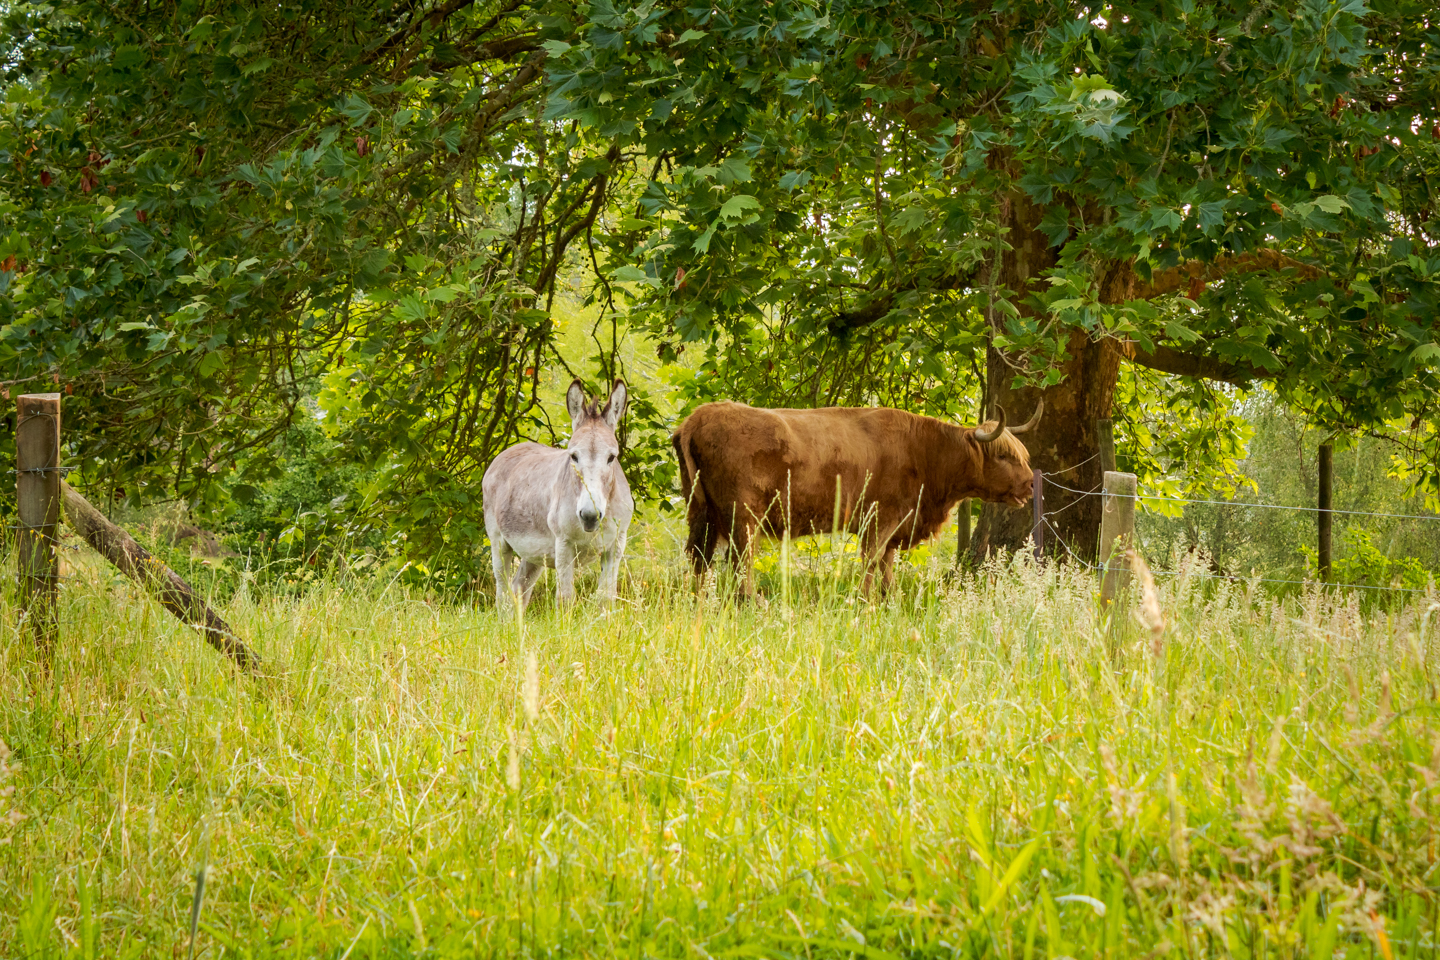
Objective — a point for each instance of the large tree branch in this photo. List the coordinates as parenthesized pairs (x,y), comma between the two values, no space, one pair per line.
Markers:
(1168,360)
(875,310)
(1192,277)
(1195,272)
(433,18)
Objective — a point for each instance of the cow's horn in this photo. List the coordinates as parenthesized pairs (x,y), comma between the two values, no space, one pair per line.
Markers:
(982,437)
(1039,409)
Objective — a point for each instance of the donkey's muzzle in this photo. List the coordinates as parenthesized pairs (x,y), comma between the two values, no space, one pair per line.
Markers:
(589,519)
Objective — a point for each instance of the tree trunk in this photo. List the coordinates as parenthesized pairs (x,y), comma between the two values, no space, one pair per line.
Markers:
(1065,444)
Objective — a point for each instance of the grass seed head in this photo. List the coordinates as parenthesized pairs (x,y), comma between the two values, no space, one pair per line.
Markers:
(1352,707)
(1151,615)
(530,691)
(512,765)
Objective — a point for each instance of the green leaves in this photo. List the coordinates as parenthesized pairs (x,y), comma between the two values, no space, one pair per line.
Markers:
(1210,214)
(734,209)
(225,221)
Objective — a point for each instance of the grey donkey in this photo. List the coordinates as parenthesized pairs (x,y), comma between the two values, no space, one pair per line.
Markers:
(555,508)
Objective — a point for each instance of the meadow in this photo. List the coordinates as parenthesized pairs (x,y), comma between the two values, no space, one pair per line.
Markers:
(979,765)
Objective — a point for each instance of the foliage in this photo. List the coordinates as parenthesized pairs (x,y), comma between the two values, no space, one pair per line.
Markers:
(211,209)
(214,212)
(1279,466)
(930,776)
(774,361)
(1362,562)
(1181,437)
(1235,193)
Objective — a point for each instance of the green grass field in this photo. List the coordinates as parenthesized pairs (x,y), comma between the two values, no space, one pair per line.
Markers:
(973,767)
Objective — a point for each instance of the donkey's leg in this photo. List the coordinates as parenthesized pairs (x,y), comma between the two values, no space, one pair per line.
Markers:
(610,568)
(564,572)
(500,557)
(525,579)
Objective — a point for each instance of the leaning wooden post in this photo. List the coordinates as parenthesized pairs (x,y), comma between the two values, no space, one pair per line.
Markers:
(1327,478)
(1117,531)
(1105,433)
(37,495)
(962,533)
(174,594)
(1037,503)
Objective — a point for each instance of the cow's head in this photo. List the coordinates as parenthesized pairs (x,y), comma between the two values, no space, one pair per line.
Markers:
(1005,475)
(594,451)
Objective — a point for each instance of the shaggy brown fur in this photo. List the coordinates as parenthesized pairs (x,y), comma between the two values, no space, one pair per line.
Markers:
(745,470)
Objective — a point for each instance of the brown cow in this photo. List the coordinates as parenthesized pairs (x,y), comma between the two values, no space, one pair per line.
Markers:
(892,476)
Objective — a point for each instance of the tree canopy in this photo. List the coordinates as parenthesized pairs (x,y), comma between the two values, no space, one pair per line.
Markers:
(1227,193)
(218,213)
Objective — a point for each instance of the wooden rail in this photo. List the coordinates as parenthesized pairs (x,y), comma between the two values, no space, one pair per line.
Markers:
(40,493)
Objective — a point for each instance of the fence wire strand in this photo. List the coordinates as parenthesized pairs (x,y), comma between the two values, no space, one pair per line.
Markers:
(1241,503)
(1100,568)
(1074,466)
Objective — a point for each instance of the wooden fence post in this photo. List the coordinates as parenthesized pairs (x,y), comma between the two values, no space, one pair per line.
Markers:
(1037,502)
(1117,531)
(1105,431)
(37,496)
(1327,477)
(962,533)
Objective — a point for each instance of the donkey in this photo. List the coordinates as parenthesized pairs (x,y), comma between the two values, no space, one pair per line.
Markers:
(554,507)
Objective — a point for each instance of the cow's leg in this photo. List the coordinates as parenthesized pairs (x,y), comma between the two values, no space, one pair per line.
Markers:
(742,542)
(524,583)
(700,546)
(716,547)
(500,558)
(564,572)
(610,568)
(887,570)
(879,555)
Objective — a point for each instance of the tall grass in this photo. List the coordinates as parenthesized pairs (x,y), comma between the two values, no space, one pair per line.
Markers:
(975,767)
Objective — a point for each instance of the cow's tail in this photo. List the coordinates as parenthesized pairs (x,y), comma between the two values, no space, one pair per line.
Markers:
(701,542)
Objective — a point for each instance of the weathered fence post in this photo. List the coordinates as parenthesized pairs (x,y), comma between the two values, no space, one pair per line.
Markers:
(1117,531)
(1105,431)
(962,533)
(1037,502)
(37,495)
(1327,477)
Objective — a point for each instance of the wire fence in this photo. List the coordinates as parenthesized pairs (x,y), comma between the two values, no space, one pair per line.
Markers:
(1079,496)
(1102,492)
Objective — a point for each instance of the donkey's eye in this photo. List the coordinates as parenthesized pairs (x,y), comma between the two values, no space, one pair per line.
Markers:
(575,457)
(611,459)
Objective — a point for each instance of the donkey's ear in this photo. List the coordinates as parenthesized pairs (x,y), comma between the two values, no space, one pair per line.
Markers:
(615,406)
(575,402)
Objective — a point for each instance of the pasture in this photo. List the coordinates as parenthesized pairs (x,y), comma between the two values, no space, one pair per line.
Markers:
(978,766)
